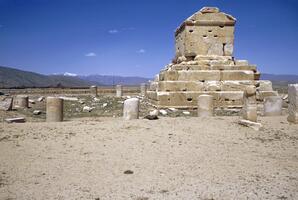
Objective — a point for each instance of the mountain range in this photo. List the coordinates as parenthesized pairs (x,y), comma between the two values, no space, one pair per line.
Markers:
(15,78)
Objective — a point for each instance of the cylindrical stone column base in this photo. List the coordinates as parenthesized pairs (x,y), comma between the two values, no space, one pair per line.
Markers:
(54,109)
(119,91)
(93,90)
(205,105)
(249,112)
(143,89)
(131,109)
(22,101)
(273,106)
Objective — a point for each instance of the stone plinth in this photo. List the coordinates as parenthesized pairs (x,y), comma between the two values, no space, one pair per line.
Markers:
(119,90)
(131,109)
(54,109)
(205,105)
(22,101)
(293,103)
(273,106)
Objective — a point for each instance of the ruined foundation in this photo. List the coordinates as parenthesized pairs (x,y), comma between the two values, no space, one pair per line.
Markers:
(54,109)
(204,64)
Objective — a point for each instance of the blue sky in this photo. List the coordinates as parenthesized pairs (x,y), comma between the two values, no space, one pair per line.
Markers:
(136,37)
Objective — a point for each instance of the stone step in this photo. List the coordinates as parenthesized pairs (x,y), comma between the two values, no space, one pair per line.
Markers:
(214,67)
(206,75)
(170,86)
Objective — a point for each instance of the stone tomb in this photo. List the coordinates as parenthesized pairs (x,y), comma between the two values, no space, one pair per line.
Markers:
(204,64)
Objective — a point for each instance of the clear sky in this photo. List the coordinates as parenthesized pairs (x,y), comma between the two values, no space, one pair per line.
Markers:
(136,37)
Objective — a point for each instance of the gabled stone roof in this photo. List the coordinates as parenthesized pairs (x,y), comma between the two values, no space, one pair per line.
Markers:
(208,16)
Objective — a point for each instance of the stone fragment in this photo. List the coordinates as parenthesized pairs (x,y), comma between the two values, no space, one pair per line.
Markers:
(87,109)
(154,112)
(22,101)
(143,89)
(15,120)
(31,101)
(181,59)
(36,112)
(273,106)
(69,98)
(131,109)
(40,99)
(293,103)
(93,91)
(119,91)
(153,115)
(254,125)
(54,109)
(104,105)
(205,105)
(173,109)
(241,62)
(163,112)
(6,103)
(186,112)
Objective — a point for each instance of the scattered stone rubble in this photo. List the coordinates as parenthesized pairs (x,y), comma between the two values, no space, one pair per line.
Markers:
(204,64)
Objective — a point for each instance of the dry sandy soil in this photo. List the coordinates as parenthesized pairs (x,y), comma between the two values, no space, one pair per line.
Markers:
(169,158)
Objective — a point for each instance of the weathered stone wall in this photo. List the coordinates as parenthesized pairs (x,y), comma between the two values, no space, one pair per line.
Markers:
(205,33)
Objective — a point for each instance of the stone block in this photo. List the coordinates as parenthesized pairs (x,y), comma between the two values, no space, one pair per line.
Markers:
(6,103)
(273,106)
(170,75)
(180,86)
(199,75)
(22,101)
(212,85)
(261,95)
(235,85)
(205,106)
(131,109)
(236,75)
(264,85)
(241,62)
(293,103)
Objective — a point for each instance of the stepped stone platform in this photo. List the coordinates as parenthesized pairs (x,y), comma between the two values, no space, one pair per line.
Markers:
(204,64)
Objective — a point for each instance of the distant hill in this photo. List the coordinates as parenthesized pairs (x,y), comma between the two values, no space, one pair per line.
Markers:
(282,77)
(114,80)
(14,78)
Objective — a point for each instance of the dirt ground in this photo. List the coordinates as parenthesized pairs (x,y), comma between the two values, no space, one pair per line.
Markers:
(169,158)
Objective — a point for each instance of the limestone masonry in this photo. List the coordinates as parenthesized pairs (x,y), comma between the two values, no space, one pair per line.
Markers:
(204,64)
